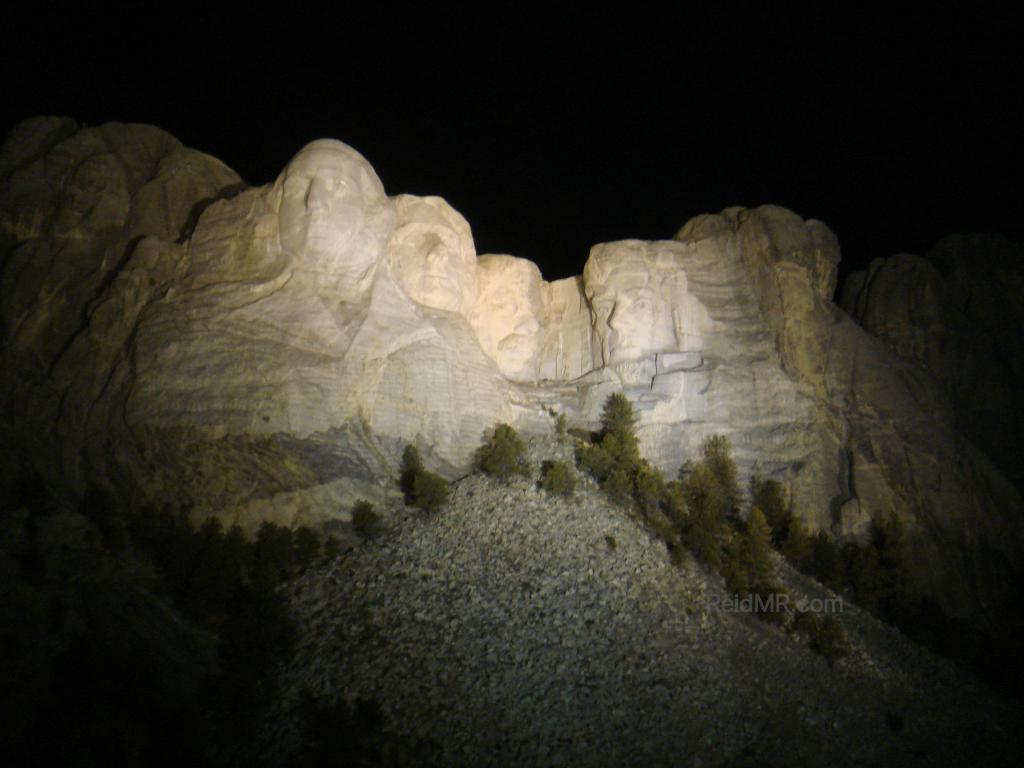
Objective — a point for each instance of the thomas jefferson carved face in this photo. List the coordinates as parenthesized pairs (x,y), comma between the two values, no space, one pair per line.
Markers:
(508,314)
(432,254)
(634,294)
(334,217)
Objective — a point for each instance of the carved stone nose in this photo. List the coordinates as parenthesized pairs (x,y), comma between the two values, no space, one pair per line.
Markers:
(317,198)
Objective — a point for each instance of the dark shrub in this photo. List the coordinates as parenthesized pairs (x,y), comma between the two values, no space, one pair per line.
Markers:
(796,545)
(766,494)
(557,478)
(365,520)
(503,454)
(412,465)
(430,491)
(828,638)
(422,489)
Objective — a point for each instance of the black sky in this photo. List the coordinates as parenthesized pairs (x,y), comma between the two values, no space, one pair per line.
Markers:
(550,136)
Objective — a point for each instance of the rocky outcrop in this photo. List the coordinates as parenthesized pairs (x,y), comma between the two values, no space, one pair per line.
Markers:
(89,221)
(266,353)
(956,313)
(885,430)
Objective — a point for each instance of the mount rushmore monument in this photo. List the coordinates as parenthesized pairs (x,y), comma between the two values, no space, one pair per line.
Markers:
(266,352)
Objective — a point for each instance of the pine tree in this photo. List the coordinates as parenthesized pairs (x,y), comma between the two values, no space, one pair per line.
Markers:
(796,546)
(430,491)
(718,458)
(365,520)
(648,488)
(617,416)
(767,494)
(757,538)
(412,465)
(503,454)
(422,489)
(557,478)
(704,520)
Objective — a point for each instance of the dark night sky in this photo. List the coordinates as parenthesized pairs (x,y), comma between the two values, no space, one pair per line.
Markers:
(551,136)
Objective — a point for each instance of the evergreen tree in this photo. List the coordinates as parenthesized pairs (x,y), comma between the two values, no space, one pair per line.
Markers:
(422,488)
(747,565)
(503,454)
(704,520)
(796,547)
(758,548)
(674,502)
(430,491)
(557,478)
(365,519)
(412,465)
(766,494)
(648,489)
(718,459)
(617,416)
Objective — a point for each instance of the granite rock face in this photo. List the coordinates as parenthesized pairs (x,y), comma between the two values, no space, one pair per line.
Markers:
(957,314)
(266,353)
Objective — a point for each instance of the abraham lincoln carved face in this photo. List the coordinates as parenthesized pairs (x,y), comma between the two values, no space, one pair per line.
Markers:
(635,293)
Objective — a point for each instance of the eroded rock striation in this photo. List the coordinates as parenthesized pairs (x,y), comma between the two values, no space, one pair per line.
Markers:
(266,352)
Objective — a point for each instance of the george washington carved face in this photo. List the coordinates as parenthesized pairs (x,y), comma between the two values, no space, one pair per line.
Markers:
(334,217)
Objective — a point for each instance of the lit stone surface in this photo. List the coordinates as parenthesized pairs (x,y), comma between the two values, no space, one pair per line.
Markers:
(432,254)
(334,218)
(509,312)
(639,301)
(566,352)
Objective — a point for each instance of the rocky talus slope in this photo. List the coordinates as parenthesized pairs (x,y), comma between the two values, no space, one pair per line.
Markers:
(512,628)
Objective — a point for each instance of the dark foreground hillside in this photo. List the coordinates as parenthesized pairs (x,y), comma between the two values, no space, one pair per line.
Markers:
(512,628)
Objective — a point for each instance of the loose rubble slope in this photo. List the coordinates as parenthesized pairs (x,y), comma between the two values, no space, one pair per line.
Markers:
(513,628)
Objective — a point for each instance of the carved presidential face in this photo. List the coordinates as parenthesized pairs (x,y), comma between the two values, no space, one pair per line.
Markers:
(508,314)
(334,217)
(632,292)
(432,254)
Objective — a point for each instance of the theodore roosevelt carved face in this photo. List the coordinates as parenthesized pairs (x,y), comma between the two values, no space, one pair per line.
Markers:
(508,314)
(334,218)
(635,290)
(433,258)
